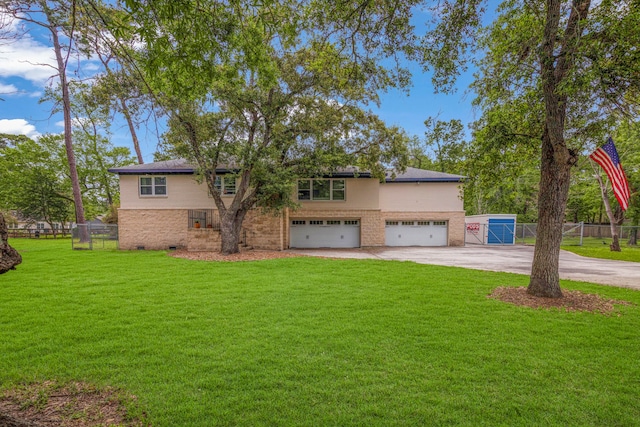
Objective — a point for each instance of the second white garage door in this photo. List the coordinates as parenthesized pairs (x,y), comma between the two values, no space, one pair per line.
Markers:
(416,233)
(325,233)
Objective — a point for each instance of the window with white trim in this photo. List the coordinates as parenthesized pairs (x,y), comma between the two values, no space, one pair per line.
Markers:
(321,189)
(153,185)
(226,185)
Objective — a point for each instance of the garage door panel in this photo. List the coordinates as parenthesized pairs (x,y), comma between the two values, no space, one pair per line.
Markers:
(325,233)
(416,233)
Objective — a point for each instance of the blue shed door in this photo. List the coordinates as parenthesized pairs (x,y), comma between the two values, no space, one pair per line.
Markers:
(501,231)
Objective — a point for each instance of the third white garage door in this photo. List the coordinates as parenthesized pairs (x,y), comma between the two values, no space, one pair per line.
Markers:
(416,233)
(325,233)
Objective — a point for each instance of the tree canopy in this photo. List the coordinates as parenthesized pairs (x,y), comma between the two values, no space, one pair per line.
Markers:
(275,91)
(575,62)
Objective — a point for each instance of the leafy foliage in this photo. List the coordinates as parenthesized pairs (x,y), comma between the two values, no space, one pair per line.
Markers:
(574,62)
(35,181)
(275,91)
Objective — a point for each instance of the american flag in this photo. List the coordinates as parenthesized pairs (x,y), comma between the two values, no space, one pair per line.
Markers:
(607,157)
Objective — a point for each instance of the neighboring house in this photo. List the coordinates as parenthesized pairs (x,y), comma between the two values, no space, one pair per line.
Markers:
(162,206)
(16,222)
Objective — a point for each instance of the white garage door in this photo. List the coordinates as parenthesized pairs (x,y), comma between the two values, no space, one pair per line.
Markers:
(325,233)
(416,233)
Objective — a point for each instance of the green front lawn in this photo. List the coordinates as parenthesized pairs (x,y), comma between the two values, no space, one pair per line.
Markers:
(599,248)
(306,341)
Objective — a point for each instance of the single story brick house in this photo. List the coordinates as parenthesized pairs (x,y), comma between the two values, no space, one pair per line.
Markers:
(162,206)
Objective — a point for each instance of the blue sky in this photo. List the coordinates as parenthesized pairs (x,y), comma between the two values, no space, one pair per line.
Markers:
(25,72)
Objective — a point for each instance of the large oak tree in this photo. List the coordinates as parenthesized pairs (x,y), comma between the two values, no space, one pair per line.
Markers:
(276,90)
(581,59)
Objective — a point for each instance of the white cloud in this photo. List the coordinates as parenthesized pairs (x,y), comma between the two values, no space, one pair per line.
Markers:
(27,58)
(8,89)
(76,122)
(18,127)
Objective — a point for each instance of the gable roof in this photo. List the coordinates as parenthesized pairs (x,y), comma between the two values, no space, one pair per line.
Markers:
(183,167)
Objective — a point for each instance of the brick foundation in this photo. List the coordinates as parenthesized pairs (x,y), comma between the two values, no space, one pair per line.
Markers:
(165,228)
(152,228)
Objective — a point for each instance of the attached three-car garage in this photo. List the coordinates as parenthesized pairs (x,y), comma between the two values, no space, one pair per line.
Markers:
(345,233)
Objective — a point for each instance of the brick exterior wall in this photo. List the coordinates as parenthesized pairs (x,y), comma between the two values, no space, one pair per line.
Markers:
(203,239)
(455,219)
(264,231)
(152,228)
(164,228)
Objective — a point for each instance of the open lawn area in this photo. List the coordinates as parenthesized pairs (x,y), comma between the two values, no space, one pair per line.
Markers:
(309,341)
(598,248)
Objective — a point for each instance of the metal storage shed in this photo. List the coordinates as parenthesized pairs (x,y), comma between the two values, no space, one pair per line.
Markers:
(490,229)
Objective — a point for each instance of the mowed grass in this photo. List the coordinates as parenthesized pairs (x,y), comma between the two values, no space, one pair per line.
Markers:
(599,248)
(310,342)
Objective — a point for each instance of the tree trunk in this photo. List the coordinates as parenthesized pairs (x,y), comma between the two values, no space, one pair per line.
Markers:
(230,231)
(68,142)
(9,257)
(633,233)
(615,245)
(552,200)
(132,130)
(557,59)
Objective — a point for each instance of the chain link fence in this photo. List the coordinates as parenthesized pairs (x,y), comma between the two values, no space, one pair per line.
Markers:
(581,234)
(94,236)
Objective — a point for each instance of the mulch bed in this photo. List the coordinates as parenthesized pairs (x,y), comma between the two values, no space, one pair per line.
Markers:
(71,405)
(243,255)
(570,300)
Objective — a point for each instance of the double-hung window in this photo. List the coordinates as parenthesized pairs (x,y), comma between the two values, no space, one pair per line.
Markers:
(153,185)
(321,189)
(226,185)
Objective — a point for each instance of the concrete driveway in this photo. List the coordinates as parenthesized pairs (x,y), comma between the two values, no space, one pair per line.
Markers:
(510,259)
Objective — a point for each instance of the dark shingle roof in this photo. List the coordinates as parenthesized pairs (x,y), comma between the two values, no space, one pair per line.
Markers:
(177,166)
(422,175)
(181,166)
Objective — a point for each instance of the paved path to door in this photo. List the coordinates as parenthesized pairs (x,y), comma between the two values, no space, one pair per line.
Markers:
(510,259)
